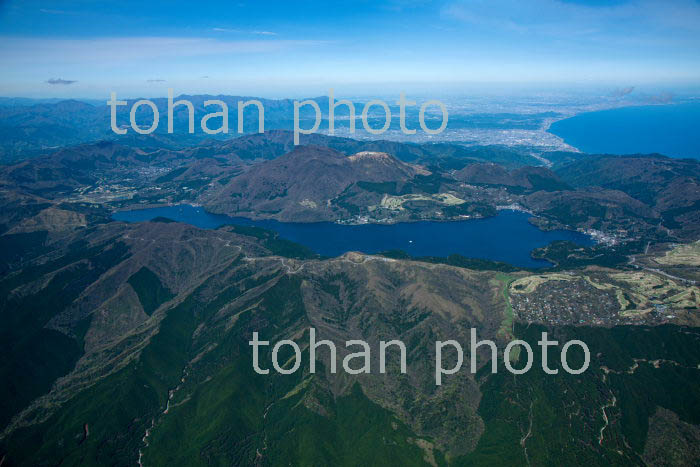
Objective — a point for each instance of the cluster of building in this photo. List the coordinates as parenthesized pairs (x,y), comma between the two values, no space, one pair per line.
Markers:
(578,302)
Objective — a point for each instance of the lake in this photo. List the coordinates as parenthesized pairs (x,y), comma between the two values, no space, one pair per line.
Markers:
(671,130)
(507,237)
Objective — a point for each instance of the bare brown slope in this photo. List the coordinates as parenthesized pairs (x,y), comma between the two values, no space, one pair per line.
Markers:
(299,185)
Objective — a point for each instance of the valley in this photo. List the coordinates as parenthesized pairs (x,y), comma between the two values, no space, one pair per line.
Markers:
(389,233)
(145,325)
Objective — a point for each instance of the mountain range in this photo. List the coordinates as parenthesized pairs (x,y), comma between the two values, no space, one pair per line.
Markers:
(128,343)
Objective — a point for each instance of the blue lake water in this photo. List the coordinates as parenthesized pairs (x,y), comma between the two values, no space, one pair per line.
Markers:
(671,130)
(507,237)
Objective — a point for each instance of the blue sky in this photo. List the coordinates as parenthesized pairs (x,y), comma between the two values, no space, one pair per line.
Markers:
(87,48)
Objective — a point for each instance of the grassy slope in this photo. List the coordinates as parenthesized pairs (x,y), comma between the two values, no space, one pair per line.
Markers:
(226,414)
(33,356)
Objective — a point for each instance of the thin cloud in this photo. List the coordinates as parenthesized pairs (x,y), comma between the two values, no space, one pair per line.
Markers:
(596,3)
(19,51)
(53,12)
(60,81)
(155,81)
(225,30)
(242,31)
(574,17)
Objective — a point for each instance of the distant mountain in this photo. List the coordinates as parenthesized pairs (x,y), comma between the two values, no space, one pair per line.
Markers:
(446,156)
(526,178)
(670,186)
(71,168)
(20,101)
(644,177)
(29,130)
(265,175)
(600,209)
(299,185)
(37,129)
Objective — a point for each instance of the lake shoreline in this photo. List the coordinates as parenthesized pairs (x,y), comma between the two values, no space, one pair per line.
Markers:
(508,237)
